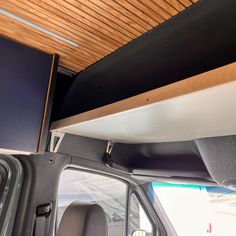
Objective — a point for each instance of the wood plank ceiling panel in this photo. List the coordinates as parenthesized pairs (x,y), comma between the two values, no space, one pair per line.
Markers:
(87,30)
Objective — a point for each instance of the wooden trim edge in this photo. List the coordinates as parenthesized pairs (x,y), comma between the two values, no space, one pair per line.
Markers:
(48,106)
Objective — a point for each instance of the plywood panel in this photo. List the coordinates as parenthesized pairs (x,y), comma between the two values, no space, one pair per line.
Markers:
(99,27)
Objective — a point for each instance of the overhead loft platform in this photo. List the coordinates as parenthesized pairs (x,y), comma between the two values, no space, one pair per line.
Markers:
(198,107)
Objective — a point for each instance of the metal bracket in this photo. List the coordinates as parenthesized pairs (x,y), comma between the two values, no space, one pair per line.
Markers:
(110,146)
(107,157)
(55,141)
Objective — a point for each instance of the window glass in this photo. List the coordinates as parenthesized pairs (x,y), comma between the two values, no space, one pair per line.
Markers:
(198,210)
(109,193)
(138,220)
(11,177)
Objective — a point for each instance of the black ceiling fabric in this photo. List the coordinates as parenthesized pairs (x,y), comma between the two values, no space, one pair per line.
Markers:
(201,38)
(63,85)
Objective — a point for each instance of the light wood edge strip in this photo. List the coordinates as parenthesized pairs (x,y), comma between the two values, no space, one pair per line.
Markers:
(46,101)
(193,84)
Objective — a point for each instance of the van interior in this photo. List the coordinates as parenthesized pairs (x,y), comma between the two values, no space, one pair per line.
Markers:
(117,118)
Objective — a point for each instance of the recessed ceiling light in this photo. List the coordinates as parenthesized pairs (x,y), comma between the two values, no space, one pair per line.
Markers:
(28,23)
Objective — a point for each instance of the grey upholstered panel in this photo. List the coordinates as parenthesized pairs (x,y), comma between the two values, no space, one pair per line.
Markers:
(83,220)
(219,156)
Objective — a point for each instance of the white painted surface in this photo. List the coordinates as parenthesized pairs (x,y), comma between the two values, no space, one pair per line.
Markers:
(207,113)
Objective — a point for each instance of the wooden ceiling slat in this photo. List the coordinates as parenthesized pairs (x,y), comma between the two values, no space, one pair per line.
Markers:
(118,6)
(176,4)
(137,12)
(93,21)
(56,26)
(116,22)
(9,7)
(31,37)
(186,3)
(81,28)
(89,23)
(68,64)
(102,19)
(33,42)
(148,11)
(87,57)
(164,14)
(165,5)
(118,15)
(89,39)
(99,27)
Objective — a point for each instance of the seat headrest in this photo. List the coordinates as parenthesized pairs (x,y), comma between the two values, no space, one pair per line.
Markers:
(83,220)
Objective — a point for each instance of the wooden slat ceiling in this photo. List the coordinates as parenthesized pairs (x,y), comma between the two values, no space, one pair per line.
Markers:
(99,27)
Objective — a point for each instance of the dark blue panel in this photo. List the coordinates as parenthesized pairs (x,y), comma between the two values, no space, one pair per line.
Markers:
(24,78)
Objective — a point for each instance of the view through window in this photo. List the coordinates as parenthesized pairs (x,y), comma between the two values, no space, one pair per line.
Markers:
(138,219)
(109,193)
(196,210)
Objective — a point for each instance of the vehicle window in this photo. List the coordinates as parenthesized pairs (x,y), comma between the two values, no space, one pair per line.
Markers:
(109,193)
(139,224)
(198,210)
(11,177)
